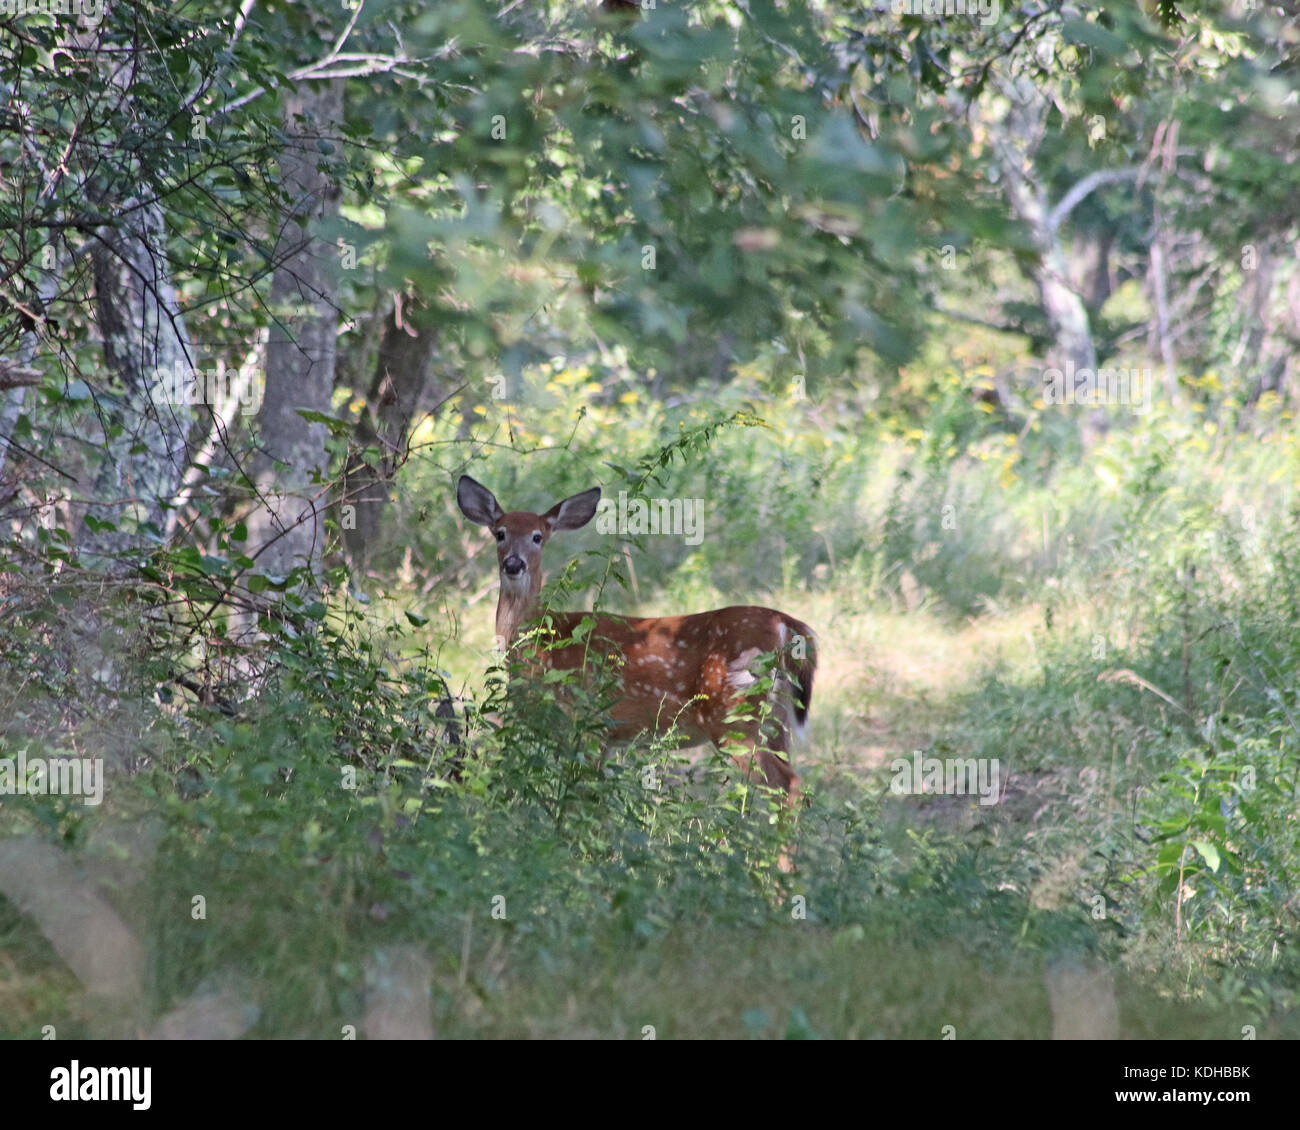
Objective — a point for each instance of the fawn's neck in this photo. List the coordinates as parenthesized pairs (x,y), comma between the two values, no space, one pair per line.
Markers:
(514,606)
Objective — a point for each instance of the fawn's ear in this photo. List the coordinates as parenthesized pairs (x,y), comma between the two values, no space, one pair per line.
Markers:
(477,503)
(574,512)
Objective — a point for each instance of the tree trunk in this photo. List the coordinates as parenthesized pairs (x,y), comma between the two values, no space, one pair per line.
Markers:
(145,452)
(1092,252)
(286,526)
(1016,142)
(401,375)
(17,375)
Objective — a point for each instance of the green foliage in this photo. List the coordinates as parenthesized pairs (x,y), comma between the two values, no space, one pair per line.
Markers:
(331,814)
(692,257)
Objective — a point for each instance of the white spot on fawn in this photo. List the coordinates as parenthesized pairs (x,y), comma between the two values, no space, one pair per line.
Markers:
(738,673)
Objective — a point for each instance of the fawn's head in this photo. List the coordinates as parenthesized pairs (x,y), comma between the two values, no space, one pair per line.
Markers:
(520,535)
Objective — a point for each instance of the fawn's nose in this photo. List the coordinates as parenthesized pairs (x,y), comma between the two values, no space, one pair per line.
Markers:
(512,566)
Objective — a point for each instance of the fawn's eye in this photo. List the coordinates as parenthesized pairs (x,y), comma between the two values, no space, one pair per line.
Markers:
(537,539)
(501,535)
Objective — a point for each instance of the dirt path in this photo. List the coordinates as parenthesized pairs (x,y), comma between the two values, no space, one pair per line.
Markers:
(892,684)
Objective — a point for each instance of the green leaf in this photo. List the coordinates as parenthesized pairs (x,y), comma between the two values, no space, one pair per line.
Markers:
(1093,35)
(1208,852)
(1169,855)
(336,426)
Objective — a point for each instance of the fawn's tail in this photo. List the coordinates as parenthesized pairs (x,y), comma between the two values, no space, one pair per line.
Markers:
(801,666)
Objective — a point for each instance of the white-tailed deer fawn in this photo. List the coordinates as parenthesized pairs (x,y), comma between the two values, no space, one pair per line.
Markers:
(691,671)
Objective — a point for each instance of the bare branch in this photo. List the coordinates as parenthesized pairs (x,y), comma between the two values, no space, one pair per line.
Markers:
(16,375)
(1086,187)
